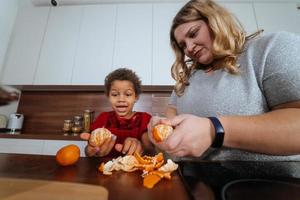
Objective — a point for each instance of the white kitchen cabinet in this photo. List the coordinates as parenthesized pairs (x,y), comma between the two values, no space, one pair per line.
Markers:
(52,146)
(245,14)
(37,146)
(25,44)
(163,56)
(94,56)
(274,17)
(59,47)
(133,42)
(22,146)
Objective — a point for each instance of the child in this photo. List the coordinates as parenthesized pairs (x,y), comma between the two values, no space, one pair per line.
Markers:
(122,87)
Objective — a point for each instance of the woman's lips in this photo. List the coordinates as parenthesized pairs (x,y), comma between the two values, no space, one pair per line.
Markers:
(198,53)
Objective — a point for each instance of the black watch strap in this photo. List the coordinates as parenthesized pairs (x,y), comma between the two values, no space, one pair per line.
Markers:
(219,133)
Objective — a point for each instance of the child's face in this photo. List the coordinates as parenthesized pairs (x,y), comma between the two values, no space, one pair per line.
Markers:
(122,98)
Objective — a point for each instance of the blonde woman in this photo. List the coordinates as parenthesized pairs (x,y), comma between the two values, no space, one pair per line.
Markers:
(236,93)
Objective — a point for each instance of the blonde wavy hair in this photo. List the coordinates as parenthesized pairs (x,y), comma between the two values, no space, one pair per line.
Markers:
(227,33)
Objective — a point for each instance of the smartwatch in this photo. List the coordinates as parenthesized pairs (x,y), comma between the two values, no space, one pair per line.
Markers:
(219,132)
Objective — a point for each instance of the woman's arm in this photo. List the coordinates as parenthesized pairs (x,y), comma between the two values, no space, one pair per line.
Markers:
(276,132)
(171,111)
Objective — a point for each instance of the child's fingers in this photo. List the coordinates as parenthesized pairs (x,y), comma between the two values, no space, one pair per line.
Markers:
(91,151)
(139,149)
(111,144)
(85,136)
(132,148)
(106,146)
(119,147)
(126,146)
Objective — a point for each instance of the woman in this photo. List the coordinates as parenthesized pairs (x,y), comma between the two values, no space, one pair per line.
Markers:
(249,85)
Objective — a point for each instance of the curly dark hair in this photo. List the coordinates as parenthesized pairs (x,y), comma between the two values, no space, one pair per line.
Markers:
(123,74)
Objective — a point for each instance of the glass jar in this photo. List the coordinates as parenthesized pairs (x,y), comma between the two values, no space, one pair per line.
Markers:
(67,127)
(87,120)
(77,125)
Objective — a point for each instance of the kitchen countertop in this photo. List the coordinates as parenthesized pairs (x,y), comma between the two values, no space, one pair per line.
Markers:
(208,180)
(120,185)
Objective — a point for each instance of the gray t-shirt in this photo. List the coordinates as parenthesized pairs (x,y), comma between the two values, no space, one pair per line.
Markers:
(269,76)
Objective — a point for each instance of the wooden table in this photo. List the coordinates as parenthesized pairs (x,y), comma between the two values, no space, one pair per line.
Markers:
(120,185)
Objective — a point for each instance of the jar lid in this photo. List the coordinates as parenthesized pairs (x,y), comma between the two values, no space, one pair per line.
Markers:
(77,117)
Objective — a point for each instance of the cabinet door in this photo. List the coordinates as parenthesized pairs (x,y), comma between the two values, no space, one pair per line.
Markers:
(93,59)
(274,17)
(163,56)
(25,44)
(52,146)
(133,43)
(22,146)
(245,14)
(58,52)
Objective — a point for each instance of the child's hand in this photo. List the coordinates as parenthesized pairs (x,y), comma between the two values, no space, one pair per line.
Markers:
(101,150)
(130,146)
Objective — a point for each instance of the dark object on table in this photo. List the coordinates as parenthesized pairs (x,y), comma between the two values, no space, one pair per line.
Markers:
(260,189)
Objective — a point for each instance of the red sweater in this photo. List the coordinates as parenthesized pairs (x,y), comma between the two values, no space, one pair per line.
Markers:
(122,128)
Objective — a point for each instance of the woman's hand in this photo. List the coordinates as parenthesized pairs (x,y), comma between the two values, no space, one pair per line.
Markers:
(98,150)
(130,146)
(191,136)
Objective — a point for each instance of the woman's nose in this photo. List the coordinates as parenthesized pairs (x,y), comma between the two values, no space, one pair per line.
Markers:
(190,48)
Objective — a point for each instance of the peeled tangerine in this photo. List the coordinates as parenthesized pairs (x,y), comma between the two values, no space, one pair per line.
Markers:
(99,135)
(68,155)
(161,132)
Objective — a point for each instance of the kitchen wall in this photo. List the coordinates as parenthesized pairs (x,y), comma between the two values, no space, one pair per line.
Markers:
(80,44)
(8,13)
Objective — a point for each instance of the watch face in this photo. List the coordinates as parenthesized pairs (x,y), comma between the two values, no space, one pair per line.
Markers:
(3,121)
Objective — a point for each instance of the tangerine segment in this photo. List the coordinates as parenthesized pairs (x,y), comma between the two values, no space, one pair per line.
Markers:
(150,180)
(68,155)
(161,132)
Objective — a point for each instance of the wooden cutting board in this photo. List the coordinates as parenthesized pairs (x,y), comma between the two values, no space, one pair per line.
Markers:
(23,189)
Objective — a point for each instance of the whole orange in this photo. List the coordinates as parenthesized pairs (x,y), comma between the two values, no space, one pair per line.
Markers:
(68,155)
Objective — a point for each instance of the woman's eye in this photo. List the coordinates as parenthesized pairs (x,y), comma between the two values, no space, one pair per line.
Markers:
(193,34)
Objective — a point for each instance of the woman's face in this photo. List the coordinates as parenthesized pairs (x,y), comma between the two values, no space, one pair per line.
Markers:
(122,98)
(195,40)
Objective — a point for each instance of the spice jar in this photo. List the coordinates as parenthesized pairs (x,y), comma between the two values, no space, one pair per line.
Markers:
(77,126)
(67,127)
(87,120)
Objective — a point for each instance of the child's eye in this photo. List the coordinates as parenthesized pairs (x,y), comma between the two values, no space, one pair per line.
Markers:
(129,94)
(114,94)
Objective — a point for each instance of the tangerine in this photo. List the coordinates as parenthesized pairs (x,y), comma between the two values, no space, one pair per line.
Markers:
(161,132)
(99,135)
(68,155)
